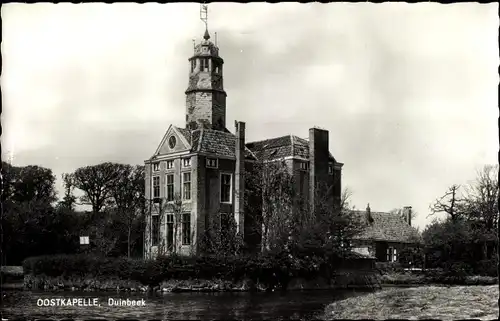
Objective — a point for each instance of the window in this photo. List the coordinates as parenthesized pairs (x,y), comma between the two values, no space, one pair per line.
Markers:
(216,68)
(225,188)
(193,65)
(172,141)
(170,232)
(204,64)
(170,187)
(212,162)
(155,229)
(156,186)
(330,168)
(170,164)
(186,162)
(186,228)
(391,255)
(156,167)
(186,186)
(304,166)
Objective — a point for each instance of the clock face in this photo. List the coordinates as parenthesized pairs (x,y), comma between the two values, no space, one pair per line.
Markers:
(172,141)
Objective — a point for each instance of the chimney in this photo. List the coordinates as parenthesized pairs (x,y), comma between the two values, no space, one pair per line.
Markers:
(239,180)
(369,218)
(318,163)
(407,214)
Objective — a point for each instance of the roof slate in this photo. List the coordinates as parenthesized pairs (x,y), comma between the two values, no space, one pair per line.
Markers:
(184,132)
(284,146)
(387,227)
(215,142)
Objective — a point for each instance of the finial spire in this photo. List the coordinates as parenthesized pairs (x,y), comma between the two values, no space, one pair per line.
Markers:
(204,18)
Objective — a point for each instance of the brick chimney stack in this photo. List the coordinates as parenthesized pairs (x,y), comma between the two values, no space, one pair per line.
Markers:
(407,214)
(239,180)
(369,218)
(318,163)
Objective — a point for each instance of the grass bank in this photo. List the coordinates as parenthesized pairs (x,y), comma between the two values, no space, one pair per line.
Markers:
(415,279)
(425,302)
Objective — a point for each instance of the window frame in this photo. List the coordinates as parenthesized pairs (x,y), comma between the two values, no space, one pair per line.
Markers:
(169,222)
(156,167)
(207,161)
(186,227)
(186,162)
(230,201)
(204,65)
(330,169)
(170,164)
(304,166)
(184,182)
(392,254)
(156,188)
(155,235)
(169,197)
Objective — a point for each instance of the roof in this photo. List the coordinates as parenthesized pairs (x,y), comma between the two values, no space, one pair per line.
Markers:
(218,143)
(279,147)
(387,227)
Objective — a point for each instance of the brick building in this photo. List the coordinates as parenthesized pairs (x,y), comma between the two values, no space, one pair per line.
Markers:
(198,171)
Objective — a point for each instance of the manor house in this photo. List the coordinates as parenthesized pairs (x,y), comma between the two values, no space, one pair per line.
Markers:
(198,170)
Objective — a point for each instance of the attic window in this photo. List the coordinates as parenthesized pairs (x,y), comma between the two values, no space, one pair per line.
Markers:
(186,162)
(170,164)
(212,163)
(156,167)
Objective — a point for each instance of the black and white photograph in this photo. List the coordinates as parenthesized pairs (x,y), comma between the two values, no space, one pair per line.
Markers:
(250,161)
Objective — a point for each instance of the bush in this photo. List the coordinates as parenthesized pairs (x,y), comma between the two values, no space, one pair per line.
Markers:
(272,269)
(487,267)
(389,267)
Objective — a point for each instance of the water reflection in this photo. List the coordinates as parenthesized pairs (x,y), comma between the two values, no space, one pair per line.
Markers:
(176,306)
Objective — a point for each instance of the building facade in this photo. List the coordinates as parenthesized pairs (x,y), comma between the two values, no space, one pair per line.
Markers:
(385,235)
(198,171)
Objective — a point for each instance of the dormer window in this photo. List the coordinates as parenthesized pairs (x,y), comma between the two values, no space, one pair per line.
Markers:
(204,65)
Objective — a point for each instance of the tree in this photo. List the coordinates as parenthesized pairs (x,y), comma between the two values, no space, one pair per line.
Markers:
(449,203)
(27,214)
(127,194)
(269,197)
(97,183)
(481,208)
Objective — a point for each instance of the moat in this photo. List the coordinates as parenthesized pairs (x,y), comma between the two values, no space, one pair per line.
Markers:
(304,305)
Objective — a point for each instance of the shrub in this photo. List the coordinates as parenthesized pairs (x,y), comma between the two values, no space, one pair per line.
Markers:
(389,267)
(272,269)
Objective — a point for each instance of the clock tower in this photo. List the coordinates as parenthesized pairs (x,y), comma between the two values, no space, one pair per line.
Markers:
(205,95)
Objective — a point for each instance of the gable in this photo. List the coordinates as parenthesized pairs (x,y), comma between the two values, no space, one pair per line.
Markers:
(181,143)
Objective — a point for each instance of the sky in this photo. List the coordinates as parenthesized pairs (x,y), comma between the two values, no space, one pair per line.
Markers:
(408,92)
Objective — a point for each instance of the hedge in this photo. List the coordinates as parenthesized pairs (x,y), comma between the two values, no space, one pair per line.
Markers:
(271,268)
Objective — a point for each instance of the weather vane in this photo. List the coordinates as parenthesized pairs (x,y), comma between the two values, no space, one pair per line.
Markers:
(204,14)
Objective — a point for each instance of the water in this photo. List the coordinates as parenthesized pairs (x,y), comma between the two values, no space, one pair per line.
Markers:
(304,305)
